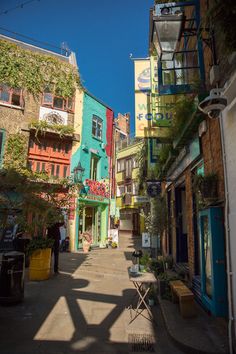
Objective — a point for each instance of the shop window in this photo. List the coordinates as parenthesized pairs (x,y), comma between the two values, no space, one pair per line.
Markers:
(57,102)
(12,96)
(97,127)
(94,168)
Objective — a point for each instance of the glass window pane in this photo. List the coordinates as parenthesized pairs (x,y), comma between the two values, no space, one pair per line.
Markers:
(94,131)
(38,167)
(4,95)
(65,172)
(58,102)
(43,167)
(47,98)
(66,148)
(58,170)
(70,103)
(52,170)
(207,256)
(15,99)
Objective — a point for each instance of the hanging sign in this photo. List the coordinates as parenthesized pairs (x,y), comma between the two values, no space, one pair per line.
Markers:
(153,188)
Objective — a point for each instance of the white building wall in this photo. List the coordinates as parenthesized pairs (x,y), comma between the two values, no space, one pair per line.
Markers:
(229,132)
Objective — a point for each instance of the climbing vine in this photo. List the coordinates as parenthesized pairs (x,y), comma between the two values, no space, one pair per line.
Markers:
(15,153)
(21,68)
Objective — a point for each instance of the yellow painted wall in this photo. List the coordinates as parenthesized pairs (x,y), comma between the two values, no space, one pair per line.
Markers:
(79,95)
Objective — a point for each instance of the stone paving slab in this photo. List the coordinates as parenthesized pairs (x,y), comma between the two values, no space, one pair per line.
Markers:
(197,335)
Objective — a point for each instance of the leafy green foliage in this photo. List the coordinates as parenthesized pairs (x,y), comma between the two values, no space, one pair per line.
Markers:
(221,17)
(21,68)
(37,243)
(16,152)
(42,126)
(156,220)
(141,157)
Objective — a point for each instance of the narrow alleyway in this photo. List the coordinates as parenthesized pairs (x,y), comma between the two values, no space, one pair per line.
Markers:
(83,309)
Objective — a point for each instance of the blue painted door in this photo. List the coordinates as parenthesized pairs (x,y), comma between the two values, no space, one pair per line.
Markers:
(213,271)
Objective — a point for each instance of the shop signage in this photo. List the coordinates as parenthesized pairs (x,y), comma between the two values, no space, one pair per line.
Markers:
(192,152)
(98,188)
(141,199)
(53,116)
(152,119)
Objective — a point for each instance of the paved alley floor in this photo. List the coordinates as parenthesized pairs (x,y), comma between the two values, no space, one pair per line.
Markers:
(82,310)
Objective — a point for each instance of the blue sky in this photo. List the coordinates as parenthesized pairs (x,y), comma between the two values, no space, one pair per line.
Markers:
(102,33)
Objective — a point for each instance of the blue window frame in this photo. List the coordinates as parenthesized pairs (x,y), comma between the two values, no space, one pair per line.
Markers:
(2,142)
(97,127)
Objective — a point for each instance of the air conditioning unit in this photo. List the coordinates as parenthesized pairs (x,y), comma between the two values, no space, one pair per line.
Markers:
(103,145)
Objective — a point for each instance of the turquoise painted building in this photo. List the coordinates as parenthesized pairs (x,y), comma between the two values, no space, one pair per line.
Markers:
(94,155)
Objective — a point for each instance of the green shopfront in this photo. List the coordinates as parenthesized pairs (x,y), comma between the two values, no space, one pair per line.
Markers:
(92,213)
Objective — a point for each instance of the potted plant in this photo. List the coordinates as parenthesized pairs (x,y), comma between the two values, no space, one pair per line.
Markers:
(39,250)
(114,244)
(86,239)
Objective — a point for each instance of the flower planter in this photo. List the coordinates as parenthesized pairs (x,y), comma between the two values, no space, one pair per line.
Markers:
(40,264)
(86,246)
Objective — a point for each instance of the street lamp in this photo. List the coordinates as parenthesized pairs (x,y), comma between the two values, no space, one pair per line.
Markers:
(167,24)
(78,172)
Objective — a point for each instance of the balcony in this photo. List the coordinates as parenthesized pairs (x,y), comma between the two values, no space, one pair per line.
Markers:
(127,142)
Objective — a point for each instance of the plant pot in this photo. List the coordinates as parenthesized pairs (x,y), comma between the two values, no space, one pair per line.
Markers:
(40,264)
(86,246)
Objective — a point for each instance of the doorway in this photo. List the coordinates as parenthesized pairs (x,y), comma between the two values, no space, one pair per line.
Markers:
(92,221)
(181,225)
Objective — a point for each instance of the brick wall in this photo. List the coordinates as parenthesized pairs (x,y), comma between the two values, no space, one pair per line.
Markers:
(190,230)
(212,153)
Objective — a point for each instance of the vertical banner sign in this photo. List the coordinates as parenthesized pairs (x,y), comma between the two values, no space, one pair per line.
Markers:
(152,112)
(142,96)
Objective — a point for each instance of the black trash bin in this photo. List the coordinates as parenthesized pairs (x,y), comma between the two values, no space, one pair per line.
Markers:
(20,245)
(12,277)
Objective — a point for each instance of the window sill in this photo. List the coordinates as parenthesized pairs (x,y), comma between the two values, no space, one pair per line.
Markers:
(94,137)
(11,106)
(58,109)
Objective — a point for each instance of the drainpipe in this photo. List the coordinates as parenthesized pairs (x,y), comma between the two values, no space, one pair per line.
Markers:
(227,241)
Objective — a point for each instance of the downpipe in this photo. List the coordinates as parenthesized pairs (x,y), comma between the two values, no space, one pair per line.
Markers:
(227,241)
